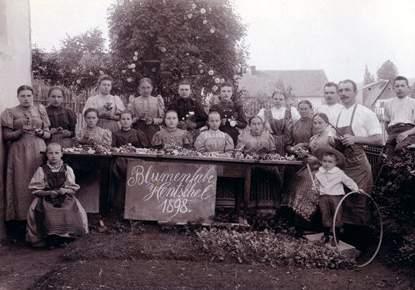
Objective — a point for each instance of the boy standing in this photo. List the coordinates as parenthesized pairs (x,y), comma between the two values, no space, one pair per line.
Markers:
(330,180)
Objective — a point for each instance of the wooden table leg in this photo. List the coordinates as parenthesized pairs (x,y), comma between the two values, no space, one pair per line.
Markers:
(247,188)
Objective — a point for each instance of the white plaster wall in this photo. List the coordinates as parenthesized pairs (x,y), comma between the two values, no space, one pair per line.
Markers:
(15,64)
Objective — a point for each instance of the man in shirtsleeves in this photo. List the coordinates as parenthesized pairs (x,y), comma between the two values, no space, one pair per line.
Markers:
(331,107)
(400,117)
(356,125)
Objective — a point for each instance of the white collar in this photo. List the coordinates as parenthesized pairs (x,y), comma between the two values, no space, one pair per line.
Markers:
(331,171)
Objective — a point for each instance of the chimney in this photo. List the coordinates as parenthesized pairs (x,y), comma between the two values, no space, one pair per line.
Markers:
(252,69)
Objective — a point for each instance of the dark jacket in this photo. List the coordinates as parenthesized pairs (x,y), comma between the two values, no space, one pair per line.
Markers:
(231,111)
(183,106)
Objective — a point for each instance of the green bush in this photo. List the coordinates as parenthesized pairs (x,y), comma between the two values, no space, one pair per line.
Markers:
(395,194)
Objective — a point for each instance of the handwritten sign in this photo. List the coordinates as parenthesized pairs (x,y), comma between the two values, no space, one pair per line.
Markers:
(170,192)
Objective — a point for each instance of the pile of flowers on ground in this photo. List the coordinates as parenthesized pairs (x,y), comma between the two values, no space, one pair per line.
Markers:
(269,248)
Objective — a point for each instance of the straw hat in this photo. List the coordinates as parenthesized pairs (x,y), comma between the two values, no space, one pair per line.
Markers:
(339,156)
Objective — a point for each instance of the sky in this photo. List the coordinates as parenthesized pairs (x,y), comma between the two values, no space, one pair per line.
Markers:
(338,36)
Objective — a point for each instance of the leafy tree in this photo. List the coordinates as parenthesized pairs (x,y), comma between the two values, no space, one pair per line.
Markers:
(368,77)
(45,66)
(388,71)
(76,65)
(199,40)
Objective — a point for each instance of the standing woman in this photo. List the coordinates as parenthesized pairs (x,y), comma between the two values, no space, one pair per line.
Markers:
(279,120)
(303,128)
(148,110)
(25,128)
(62,120)
(108,106)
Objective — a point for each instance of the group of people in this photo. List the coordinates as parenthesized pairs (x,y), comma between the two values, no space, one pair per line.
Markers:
(339,126)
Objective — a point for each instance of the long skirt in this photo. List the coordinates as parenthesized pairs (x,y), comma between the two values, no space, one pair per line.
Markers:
(24,157)
(44,219)
(302,199)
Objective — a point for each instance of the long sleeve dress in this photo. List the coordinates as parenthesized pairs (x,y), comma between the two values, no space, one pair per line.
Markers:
(108,104)
(170,138)
(249,143)
(214,141)
(134,137)
(279,122)
(64,118)
(148,107)
(24,155)
(302,131)
(97,136)
(63,215)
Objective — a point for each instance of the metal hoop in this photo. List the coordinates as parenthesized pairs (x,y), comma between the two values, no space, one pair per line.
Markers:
(380,223)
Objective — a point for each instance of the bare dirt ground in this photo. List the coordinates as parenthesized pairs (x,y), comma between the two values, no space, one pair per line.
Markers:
(153,259)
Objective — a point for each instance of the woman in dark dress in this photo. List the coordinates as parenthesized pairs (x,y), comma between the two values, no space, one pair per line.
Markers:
(303,128)
(62,120)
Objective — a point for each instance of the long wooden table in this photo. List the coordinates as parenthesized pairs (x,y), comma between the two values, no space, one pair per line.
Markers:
(225,167)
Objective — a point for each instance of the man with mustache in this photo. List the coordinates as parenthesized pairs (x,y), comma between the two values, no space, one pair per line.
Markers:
(400,117)
(331,107)
(356,125)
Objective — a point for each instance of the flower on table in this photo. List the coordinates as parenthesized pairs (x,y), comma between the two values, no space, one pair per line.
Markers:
(202,11)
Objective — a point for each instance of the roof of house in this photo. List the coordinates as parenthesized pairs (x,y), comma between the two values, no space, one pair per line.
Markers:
(304,83)
(379,90)
(372,92)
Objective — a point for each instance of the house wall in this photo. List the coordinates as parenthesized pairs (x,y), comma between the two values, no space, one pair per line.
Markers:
(15,64)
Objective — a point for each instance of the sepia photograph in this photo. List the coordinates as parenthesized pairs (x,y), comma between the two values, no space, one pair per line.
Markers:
(207,144)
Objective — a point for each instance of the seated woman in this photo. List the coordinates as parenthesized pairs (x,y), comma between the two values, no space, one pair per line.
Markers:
(214,140)
(323,134)
(170,136)
(266,181)
(257,140)
(55,214)
(92,134)
(128,135)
